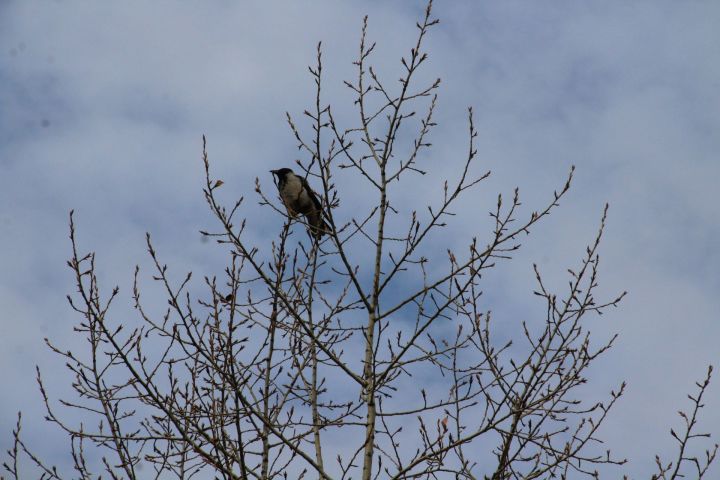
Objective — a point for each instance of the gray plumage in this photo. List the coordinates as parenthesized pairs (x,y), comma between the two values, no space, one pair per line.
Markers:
(299,198)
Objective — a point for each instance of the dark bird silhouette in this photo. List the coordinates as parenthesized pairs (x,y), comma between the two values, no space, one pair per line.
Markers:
(299,198)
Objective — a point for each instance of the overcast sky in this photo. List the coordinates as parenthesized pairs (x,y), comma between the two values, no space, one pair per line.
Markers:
(103,105)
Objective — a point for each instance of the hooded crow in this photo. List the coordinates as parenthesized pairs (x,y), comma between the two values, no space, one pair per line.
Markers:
(299,198)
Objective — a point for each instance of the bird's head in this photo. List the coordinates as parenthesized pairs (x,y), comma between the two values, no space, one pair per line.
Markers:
(281,173)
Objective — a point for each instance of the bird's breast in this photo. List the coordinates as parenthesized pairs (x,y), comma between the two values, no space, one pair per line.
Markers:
(295,197)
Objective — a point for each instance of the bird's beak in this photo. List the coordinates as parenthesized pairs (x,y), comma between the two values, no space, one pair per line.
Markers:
(274,172)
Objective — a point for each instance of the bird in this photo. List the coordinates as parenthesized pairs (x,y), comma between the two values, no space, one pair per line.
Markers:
(299,198)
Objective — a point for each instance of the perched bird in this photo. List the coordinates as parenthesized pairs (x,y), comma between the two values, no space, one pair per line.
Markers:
(299,198)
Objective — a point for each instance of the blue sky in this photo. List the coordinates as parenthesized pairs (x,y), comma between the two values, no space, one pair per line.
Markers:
(102,109)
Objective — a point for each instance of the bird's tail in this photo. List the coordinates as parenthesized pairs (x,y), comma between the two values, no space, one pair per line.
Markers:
(318,225)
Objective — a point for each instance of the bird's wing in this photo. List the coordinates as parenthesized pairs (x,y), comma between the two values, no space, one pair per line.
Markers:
(313,196)
(317,219)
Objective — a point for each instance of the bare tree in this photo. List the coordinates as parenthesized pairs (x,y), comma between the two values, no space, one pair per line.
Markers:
(368,335)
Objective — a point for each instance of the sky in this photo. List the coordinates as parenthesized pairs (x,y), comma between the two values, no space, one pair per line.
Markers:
(103,107)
